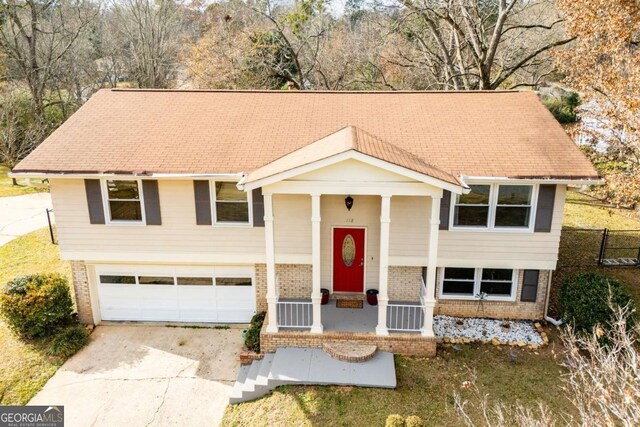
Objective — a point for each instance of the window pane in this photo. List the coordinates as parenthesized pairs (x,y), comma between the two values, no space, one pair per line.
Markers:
(452,287)
(123,189)
(496,288)
(155,280)
(125,211)
(126,280)
(497,274)
(195,281)
(459,273)
(479,195)
(514,195)
(232,211)
(233,281)
(229,191)
(475,216)
(512,216)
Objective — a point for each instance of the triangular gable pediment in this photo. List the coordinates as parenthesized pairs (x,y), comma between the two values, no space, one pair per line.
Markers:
(351,143)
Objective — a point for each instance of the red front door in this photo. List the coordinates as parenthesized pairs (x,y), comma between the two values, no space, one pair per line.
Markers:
(348,259)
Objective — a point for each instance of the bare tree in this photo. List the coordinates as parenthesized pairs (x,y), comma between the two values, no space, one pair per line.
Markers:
(479,44)
(36,35)
(18,137)
(150,34)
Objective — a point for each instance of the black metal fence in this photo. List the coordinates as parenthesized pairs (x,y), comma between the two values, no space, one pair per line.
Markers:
(584,247)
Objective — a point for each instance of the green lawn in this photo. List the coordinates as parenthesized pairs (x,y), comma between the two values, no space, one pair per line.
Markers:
(24,367)
(425,388)
(582,211)
(8,189)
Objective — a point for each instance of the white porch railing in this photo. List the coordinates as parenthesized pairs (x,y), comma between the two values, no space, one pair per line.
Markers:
(407,317)
(295,314)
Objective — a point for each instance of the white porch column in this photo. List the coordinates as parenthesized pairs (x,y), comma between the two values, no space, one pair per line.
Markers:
(272,297)
(316,297)
(383,293)
(430,302)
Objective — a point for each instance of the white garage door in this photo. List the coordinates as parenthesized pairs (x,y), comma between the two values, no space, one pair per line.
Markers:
(178,294)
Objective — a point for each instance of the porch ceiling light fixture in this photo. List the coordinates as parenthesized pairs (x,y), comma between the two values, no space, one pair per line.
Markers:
(348,202)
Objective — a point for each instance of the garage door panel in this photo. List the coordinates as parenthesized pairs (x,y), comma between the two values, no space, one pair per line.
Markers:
(186,303)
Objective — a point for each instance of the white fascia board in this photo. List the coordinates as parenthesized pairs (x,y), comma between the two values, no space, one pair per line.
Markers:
(498,179)
(352,154)
(62,175)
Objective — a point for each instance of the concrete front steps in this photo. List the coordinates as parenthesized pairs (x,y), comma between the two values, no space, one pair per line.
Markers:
(310,366)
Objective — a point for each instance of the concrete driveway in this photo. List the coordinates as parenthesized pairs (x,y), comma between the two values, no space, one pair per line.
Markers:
(22,214)
(144,375)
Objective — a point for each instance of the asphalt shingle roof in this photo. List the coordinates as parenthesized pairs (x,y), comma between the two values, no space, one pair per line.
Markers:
(502,134)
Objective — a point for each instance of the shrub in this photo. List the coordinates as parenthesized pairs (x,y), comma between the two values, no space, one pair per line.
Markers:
(68,341)
(394,420)
(35,306)
(584,299)
(414,421)
(252,338)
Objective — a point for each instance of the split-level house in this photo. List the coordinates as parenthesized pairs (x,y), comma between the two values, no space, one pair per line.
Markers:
(210,206)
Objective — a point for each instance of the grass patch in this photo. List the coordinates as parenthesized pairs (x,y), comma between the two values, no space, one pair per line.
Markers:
(425,388)
(8,189)
(25,366)
(583,211)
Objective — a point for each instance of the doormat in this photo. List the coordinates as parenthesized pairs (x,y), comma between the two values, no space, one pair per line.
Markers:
(349,303)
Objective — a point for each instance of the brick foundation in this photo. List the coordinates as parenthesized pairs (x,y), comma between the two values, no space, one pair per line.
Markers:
(81,289)
(404,283)
(407,344)
(294,280)
(499,309)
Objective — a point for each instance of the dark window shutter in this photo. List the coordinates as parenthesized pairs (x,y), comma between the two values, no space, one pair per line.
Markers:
(94,201)
(258,207)
(424,274)
(203,202)
(445,206)
(151,202)
(544,210)
(530,285)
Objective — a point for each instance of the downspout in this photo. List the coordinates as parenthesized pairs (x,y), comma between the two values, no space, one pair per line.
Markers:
(240,184)
(551,320)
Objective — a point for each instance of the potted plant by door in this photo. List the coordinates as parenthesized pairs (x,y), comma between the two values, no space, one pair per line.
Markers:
(325,296)
(372,296)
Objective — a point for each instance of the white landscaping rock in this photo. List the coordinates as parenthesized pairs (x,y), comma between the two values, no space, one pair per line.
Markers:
(477,329)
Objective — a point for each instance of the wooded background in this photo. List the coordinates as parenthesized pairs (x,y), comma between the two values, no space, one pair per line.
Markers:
(582,57)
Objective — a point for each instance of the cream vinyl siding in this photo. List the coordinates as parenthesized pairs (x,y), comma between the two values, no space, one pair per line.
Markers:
(177,239)
(292,227)
(462,248)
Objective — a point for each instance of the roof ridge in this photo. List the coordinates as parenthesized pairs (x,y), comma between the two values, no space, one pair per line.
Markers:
(317,91)
(399,149)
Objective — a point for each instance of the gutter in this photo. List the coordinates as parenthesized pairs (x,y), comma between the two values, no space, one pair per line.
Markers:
(73,175)
(551,320)
(564,181)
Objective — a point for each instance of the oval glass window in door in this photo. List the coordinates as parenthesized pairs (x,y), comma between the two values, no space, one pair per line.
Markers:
(348,250)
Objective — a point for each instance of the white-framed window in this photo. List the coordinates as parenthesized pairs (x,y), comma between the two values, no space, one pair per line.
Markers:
(230,206)
(123,201)
(180,280)
(495,207)
(472,209)
(471,283)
